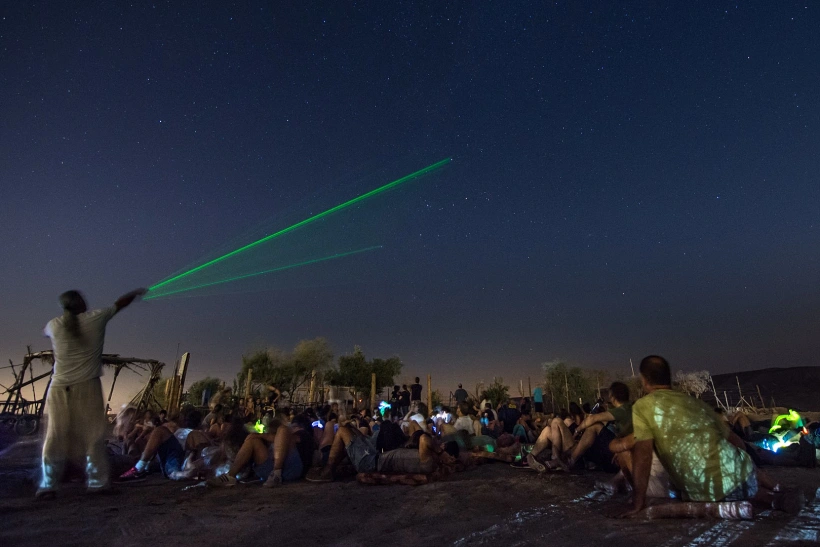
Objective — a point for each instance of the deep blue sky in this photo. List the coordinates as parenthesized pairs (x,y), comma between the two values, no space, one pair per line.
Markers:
(626,178)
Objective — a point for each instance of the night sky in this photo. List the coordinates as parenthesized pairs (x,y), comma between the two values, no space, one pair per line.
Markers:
(627,177)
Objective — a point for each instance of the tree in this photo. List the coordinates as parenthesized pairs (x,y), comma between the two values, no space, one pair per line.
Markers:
(566,384)
(693,383)
(355,371)
(496,392)
(209,384)
(287,371)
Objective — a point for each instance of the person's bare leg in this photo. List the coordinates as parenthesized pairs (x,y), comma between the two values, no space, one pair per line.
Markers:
(158,436)
(337,450)
(584,443)
(412,427)
(557,437)
(543,442)
(427,450)
(730,510)
(567,438)
(254,448)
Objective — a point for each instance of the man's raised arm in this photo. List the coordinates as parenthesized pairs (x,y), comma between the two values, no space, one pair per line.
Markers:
(127,298)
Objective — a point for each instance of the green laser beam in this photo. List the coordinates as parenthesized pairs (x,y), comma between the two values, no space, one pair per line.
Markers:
(315,217)
(279,269)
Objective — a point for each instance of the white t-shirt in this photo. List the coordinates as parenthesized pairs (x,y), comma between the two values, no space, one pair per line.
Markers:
(419,419)
(465,423)
(77,360)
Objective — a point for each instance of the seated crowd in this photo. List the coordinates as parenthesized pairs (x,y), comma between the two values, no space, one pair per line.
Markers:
(666,444)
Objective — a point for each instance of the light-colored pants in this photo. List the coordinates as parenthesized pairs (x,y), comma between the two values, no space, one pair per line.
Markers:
(76,424)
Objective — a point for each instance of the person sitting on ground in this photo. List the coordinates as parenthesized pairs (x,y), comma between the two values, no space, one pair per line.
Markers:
(213,416)
(460,395)
(273,457)
(464,420)
(221,397)
(508,414)
(593,436)
(171,443)
(302,429)
(417,414)
(559,437)
(365,456)
(490,426)
(696,448)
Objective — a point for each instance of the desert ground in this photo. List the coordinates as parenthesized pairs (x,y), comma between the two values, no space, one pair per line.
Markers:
(491,504)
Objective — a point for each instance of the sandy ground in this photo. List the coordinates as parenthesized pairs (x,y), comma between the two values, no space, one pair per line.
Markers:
(491,504)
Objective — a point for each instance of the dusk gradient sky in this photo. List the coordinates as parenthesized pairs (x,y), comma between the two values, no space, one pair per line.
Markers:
(627,178)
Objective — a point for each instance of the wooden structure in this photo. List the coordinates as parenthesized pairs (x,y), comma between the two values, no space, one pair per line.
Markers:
(24,415)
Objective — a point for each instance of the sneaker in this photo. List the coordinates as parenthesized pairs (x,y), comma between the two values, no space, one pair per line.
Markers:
(320,475)
(535,464)
(132,475)
(522,464)
(45,494)
(222,480)
(273,481)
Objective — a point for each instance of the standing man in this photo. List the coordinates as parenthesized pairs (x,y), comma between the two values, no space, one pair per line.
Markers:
(460,395)
(538,400)
(74,403)
(415,391)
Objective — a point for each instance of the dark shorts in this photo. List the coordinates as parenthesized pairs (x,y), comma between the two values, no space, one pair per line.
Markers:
(291,471)
(171,456)
(539,407)
(362,454)
(745,491)
(600,454)
(404,460)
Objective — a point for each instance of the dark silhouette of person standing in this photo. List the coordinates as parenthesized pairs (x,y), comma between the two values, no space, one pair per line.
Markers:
(74,404)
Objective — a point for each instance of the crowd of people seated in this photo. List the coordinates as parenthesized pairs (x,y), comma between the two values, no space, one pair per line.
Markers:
(666,444)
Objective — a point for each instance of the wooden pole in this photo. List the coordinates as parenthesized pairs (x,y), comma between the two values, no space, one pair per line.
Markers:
(429,393)
(566,384)
(529,387)
(372,391)
(312,388)
(632,367)
(248,381)
(762,402)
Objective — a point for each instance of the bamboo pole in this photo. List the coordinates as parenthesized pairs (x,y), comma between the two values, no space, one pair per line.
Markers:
(248,381)
(372,391)
(566,384)
(429,393)
(762,402)
(529,386)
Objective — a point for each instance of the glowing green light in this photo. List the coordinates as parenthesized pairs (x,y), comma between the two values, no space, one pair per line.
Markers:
(259,427)
(272,270)
(792,417)
(293,227)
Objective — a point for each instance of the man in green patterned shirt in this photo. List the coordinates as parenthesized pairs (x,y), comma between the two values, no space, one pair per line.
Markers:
(694,445)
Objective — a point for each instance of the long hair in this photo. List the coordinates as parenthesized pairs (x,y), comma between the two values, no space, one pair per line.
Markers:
(73,304)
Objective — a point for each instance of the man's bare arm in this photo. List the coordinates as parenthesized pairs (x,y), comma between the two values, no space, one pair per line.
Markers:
(641,467)
(127,298)
(592,419)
